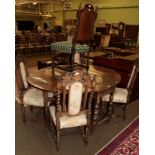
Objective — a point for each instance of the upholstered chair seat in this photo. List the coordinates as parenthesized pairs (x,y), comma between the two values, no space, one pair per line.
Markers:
(69,121)
(65,47)
(120,96)
(33,97)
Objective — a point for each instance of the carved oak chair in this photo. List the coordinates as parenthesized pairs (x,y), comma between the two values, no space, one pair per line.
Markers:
(81,42)
(73,104)
(121,96)
(26,95)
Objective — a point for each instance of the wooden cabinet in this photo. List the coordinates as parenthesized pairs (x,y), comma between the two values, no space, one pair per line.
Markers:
(131,32)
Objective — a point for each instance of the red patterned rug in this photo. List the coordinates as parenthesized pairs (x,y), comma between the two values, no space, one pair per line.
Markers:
(125,143)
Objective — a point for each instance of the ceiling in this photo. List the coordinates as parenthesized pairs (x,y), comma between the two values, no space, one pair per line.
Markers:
(34,7)
(40,1)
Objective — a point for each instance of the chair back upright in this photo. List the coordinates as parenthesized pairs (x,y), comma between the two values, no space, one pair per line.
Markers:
(21,83)
(133,74)
(75,93)
(132,78)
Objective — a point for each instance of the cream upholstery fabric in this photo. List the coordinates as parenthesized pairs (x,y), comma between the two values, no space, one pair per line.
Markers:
(66,121)
(34,97)
(23,71)
(120,96)
(75,97)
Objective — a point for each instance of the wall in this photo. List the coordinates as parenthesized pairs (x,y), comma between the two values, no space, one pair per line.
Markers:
(55,10)
(112,11)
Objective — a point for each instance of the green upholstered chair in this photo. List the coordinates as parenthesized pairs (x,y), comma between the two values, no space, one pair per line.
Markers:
(80,43)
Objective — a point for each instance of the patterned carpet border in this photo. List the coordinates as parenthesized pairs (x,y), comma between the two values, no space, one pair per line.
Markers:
(119,138)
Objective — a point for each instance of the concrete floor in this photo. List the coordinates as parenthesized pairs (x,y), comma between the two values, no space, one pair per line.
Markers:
(33,139)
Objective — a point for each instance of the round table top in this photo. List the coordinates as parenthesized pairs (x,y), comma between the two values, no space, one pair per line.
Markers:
(44,80)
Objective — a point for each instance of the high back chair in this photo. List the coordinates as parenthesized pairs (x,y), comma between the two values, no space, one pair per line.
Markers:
(121,96)
(73,103)
(26,95)
(80,43)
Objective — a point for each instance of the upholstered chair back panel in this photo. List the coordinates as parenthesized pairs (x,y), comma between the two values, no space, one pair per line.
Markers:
(23,73)
(75,97)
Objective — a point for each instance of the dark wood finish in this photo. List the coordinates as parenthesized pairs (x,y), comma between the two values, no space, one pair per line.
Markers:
(113,52)
(131,32)
(106,80)
(35,43)
(83,34)
(45,80)
(85,23)
(63,92)
(127,36)
(131,35)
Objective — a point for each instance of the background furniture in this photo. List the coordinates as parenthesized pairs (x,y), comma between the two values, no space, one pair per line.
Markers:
(131,35)
(122,35)
(124,66)
(36,43)
(73,105)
